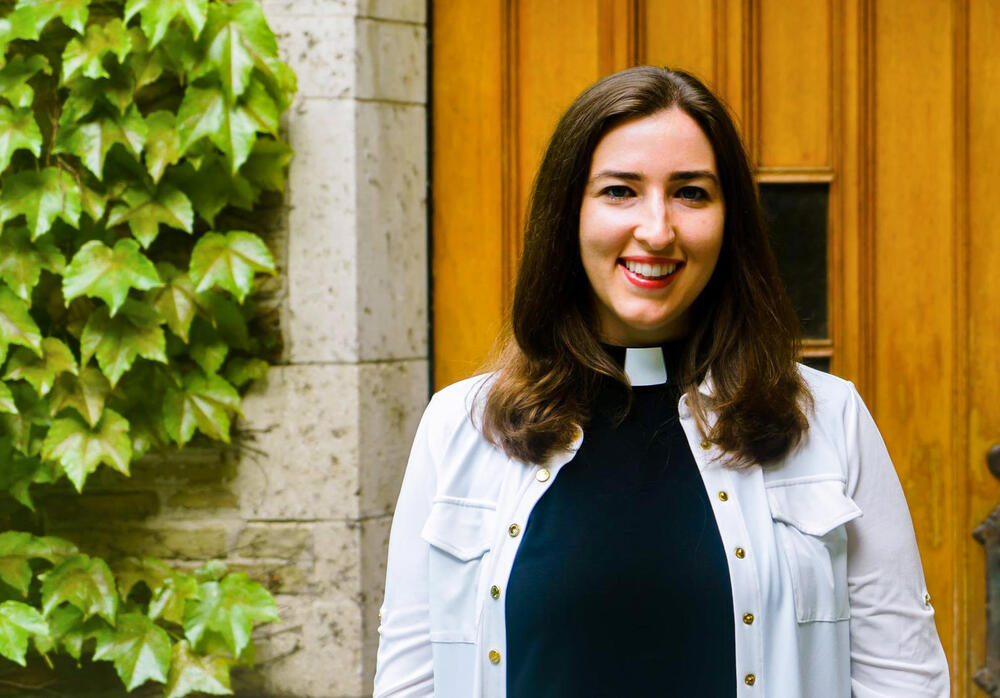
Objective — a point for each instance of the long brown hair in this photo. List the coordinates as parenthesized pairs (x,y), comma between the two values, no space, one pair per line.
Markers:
(744,331)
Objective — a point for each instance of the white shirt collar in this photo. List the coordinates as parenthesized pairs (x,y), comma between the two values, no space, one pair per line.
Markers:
(645,366)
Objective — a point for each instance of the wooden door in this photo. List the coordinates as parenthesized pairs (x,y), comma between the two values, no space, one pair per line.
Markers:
(885,111)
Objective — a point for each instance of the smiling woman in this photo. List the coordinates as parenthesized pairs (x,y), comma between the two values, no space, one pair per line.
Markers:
(647,495)
(650,226)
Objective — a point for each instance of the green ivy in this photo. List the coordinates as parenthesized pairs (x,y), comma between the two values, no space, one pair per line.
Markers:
(138,139)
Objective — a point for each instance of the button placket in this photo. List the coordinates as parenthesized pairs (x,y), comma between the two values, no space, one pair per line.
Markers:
(736,538)
(530,487)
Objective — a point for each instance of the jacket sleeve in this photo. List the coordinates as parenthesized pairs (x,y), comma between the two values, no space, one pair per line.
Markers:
(404,666)
(895,649)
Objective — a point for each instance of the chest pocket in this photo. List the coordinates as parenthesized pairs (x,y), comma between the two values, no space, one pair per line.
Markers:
(458,532)
(809,518)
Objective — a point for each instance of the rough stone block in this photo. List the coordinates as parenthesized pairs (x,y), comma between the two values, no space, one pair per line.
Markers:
(274,539)
(326,8)
(402,10)
(374,544)
(204,497)
(279,577)
(393,398)
(320,309)
(313,652)
(99,506)
(195,465)
(391,61)
(392,232)
(320,49)
(202,542)
(337,554)
(303,464)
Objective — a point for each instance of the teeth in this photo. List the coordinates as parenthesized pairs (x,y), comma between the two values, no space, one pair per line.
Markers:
(651,271)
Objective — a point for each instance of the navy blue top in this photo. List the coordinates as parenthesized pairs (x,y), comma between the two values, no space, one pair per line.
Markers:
(620,587)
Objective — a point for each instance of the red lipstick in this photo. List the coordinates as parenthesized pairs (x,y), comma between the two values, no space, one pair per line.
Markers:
(646,282)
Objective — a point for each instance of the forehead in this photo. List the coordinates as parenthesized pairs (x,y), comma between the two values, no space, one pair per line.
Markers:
(668,139)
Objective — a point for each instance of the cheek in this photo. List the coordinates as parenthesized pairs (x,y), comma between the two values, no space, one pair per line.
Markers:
(705,238)
(602,233)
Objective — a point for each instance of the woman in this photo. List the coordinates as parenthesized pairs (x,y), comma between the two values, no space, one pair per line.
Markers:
(648,496)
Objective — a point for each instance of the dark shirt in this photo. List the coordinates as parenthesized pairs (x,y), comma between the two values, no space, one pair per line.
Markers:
(620,586)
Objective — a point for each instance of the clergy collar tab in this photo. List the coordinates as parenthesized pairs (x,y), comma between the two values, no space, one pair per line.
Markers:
(645,366)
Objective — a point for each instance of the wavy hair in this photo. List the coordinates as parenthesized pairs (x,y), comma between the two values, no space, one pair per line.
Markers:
(549,365)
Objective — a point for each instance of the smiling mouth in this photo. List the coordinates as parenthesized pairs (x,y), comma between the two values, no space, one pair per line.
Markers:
(650,272)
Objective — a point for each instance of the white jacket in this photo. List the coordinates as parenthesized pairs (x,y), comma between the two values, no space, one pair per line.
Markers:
(828,592)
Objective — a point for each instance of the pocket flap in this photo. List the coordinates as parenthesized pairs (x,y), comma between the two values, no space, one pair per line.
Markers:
(461,529)
(815,507)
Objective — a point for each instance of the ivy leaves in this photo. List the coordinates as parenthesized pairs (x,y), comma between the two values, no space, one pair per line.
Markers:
(118,341)
(118,173)
(139,648)
(192,630)
(133,139)
(229,262)
(18,623)
(156,17)
(80,449)
(16,324)
(40,197)
(18,129)
(83,56)
(108,274)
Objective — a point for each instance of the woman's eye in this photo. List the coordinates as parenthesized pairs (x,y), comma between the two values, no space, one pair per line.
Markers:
(617,192)
(692,193)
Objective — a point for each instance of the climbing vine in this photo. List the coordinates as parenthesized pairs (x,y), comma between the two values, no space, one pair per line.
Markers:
(132,136)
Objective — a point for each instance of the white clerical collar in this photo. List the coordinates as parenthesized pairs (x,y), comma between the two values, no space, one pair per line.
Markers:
(645,366)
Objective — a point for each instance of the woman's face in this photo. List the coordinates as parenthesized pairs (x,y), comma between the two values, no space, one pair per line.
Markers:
(651,225)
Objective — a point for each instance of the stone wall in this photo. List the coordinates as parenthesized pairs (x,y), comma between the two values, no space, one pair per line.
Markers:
(303,501)
(340,415)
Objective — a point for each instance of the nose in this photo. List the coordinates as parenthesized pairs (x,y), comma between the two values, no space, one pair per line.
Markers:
(655,229)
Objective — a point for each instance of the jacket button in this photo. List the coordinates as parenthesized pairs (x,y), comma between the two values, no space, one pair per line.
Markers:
(927,600)
(495,591)
(706,444)
(513,530)
(724,496)
(494,657)
(747,617)
(542,475)
(741,553)
(749,679)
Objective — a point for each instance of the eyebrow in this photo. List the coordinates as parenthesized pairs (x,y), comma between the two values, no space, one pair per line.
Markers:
(681,176)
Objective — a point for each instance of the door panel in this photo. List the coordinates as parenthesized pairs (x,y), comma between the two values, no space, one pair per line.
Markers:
(684,35)
(888,105)
(979,253)
(795,73)
(915,274)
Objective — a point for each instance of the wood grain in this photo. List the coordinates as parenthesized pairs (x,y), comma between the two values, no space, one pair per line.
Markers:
(795,74)
(983,239)
(466,167)
(683,36)
(914,356)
